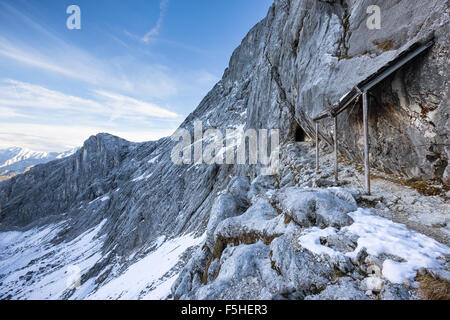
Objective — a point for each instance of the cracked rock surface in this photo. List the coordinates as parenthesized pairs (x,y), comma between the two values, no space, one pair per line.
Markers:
(124,213)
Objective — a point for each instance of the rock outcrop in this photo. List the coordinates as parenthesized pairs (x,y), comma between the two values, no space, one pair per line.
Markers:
(297,61)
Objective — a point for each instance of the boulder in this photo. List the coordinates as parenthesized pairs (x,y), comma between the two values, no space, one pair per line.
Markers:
(315,207)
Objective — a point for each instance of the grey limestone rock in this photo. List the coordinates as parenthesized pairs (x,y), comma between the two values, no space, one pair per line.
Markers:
(315,207)
(344,290)
(302,57)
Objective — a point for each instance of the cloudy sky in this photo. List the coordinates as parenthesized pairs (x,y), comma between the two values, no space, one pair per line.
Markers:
(135,69)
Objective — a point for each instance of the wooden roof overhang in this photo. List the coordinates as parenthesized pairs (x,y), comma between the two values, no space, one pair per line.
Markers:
(362,88)
(371,81)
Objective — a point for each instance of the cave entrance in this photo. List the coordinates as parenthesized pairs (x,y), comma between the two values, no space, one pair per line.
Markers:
(300,134)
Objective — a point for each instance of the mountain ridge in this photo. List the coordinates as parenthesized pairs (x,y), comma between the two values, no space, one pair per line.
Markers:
(16,160)
(249,235)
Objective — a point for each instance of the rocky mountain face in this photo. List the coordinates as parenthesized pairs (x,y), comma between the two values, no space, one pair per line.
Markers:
(310,53)
(16,160)
(134,224)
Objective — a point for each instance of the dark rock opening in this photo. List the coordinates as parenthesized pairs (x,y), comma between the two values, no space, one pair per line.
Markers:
(300,134)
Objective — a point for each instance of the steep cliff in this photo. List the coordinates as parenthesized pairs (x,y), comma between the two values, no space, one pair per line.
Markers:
(259,235)
(307,54)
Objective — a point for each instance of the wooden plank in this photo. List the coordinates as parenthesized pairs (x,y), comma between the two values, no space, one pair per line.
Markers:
(317,147)
(366,143)
(336,166)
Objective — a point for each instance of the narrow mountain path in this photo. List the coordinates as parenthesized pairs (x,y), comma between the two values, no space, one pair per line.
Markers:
(391,197)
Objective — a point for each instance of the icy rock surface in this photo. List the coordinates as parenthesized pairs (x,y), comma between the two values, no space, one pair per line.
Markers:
(245,273)
(321,208)
(360,256)
(260,219)
(344,290)
(304,56)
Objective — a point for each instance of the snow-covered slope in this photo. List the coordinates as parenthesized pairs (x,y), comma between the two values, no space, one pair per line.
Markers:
(33,266)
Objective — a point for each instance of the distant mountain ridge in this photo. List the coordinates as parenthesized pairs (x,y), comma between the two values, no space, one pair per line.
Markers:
(16,160)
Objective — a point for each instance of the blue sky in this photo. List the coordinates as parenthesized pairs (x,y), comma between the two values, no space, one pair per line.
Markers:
(136,68)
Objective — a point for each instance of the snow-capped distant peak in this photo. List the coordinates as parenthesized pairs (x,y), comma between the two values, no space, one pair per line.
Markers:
(17,160)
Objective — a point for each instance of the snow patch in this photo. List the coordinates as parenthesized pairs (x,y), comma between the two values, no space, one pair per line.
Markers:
(379,235)
(152,161)
(382,236)
(310,240)
(146,278)
(31,267)
(142,177)
(162,291)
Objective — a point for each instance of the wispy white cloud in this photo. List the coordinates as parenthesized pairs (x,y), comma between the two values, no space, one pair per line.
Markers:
(21,94)
(124,105)
(25,95)
(7,113)
(155,30)
(124,74)
(28,56)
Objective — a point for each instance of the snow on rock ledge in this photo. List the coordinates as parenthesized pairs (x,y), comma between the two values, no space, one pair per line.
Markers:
(317,207)
(330,249)
(405,251)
